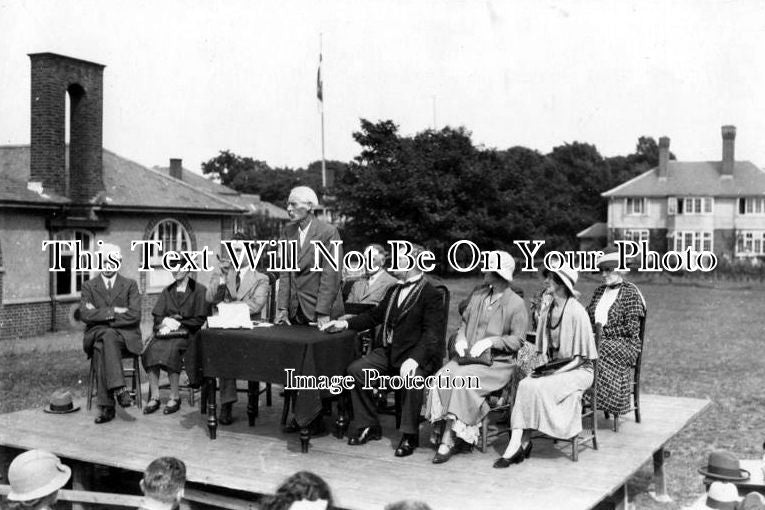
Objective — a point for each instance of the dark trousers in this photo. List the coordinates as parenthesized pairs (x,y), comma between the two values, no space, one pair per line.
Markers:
(108,351)
(364,408)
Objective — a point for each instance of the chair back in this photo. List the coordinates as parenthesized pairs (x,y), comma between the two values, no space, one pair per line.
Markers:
(445,298)
(269,311)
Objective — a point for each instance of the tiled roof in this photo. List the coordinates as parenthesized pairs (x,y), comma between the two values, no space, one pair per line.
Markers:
(13,179)
(128,185)
(594,230)
(694,178)
(248,201)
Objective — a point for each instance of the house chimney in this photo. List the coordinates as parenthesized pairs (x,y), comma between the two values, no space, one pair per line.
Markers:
(54,76)
(176,168)
(663,157)
(729,145)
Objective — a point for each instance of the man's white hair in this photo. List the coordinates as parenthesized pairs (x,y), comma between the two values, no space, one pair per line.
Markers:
(108,248)
(304,194)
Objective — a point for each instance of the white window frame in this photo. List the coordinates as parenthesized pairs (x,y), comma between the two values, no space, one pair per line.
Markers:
(753,206)
(697,240)
(696,206)
(637,235)
(631,209)
(750,243)
(76,277)
(174,237)
(671,205)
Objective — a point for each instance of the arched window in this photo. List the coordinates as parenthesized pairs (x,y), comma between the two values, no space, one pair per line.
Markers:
(69,282)
(174,237)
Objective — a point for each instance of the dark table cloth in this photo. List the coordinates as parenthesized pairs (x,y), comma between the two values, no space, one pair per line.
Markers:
(263,354)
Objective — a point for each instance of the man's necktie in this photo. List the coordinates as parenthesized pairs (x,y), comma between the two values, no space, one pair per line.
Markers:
(238,281)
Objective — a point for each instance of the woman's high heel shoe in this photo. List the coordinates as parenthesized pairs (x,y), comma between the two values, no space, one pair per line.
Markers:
(516,458)
(527,450)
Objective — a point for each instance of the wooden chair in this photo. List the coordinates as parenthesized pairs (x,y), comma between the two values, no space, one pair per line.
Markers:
(589,432)
(269,314)
(502,400)
(184,387)
(133,372)
(635,384)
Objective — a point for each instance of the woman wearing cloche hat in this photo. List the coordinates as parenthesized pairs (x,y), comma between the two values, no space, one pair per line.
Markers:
(552,404)
(35,477)
(492,330)
(618,305)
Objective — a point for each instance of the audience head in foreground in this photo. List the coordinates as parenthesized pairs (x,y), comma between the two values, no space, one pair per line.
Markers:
(35,478)
(163,482)
(303,490)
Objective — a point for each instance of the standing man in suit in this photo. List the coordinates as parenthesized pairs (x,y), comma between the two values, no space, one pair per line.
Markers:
(411,338)
(247,285)
(371,290)
(309,296)
(110,307)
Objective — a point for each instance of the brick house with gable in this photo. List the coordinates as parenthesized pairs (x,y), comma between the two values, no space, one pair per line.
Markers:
(707,205)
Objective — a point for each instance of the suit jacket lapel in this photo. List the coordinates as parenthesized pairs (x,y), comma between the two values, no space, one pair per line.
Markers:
(244,284)
(119,284)
(409,300)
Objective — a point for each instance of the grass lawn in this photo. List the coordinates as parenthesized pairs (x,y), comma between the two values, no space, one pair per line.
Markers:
(701,342)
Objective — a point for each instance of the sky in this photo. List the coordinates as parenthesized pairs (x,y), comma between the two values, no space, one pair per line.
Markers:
(190,78)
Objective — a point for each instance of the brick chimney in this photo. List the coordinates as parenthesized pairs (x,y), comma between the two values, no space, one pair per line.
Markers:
(729,146)
(176,168)
(54,76)
(663,157)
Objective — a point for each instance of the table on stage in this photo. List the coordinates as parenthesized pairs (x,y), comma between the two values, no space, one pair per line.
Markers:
(263,354)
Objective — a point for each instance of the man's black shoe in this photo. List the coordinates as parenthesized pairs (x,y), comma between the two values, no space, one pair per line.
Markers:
(364,435)
(225,417)
(107,414)
(409,442)
(122,395)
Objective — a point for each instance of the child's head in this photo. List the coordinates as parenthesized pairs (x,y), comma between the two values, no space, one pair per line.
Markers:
(164,479)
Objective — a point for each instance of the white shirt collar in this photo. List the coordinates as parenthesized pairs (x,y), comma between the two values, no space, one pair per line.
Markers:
(113,280)
(413,278)
(151,504)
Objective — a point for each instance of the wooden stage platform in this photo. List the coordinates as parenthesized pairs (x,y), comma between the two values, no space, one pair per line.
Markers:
(362,477)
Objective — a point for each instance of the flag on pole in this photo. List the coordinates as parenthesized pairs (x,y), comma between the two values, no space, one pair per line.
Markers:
(319,84)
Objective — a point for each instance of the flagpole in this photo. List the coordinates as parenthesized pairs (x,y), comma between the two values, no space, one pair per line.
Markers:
(323,160)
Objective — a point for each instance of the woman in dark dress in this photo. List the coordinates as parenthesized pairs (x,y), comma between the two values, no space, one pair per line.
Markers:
(178,315)
(618,305)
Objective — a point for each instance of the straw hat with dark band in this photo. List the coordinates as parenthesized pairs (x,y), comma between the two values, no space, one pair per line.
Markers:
(61,403)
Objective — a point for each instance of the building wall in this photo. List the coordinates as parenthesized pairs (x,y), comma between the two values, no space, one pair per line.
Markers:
(26,308)
(655,217)
(21,237)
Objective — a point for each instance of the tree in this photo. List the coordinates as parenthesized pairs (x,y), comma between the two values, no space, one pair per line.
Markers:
(226,166)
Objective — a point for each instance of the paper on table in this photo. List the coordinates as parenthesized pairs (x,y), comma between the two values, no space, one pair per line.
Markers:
(231,315)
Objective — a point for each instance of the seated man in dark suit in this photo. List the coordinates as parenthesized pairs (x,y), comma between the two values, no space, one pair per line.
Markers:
(110,306)
(411,315)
